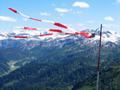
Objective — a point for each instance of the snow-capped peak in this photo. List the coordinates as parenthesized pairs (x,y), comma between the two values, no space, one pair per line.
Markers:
(109,36)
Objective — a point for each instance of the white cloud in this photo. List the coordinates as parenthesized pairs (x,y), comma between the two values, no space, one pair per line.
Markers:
(118,1)
(79,13)
(80,24)
(62,10)
(111,26)
(90,21)
(7,19)
(109,18)
(81,4)
(44,14)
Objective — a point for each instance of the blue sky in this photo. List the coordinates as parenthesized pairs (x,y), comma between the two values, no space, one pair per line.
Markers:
(79,14)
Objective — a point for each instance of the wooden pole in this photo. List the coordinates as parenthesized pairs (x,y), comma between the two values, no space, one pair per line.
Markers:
(99,59)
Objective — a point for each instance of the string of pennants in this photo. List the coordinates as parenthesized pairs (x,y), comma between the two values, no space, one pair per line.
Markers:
(50,31)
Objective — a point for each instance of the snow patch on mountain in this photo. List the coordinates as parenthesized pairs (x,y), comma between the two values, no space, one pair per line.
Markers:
(109,36)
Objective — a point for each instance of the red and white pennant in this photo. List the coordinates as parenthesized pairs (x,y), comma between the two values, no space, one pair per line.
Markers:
(35,19)
(82,33)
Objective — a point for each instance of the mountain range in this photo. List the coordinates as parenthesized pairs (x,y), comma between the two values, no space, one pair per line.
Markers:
(56,62)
